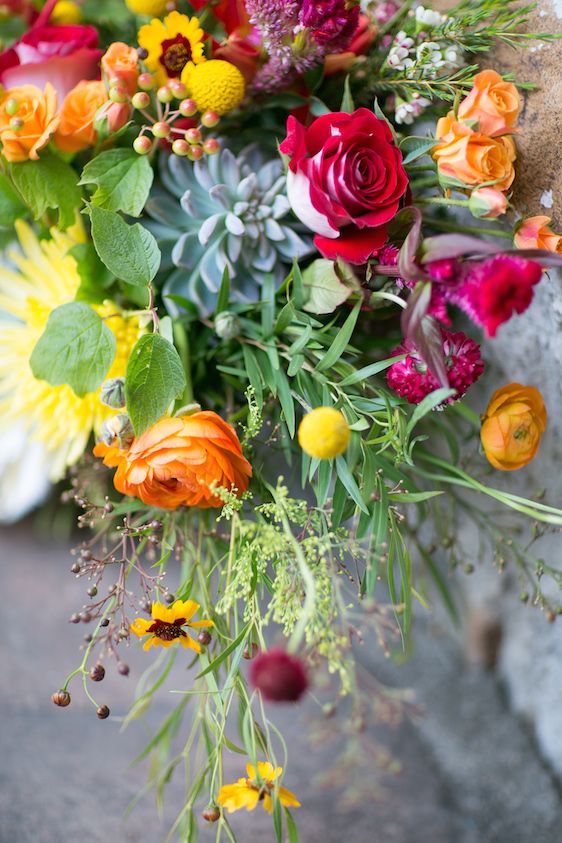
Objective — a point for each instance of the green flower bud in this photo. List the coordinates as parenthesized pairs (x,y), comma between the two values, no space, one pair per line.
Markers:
(113,393)
(119,427)
(227,325)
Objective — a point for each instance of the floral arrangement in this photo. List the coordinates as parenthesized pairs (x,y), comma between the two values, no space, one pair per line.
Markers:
(251,248)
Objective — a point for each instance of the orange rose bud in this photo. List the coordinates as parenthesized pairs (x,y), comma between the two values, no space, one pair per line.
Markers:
(111,117)
(76,129)
(471,157)
(37,111)
(494,103)
(121,62)
(176,461)
(512,426)
(535,233)
(487,203)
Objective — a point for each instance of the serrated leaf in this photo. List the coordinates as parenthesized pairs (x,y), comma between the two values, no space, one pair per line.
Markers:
(11,206)
(123,180)
(95,278)
(323,289)
(154,377)
(49,183)
(130,252)
(77,348)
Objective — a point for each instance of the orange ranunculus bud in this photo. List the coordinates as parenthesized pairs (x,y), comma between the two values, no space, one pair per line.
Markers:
(36,114)
(494,103)
(121,62)
(535,233)
(512,426)
(176,461)
(471,157)
(76,128)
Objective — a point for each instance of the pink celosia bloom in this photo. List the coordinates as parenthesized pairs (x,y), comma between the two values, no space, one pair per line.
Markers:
(412,380)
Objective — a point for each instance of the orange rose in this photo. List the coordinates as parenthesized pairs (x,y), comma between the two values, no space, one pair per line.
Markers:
(121,62)
(535,233)
(175,462)
(36,113)
(76,128)
(471,157)
(512,426)
(494,103)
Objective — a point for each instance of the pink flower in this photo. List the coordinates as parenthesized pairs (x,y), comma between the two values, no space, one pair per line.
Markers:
(331,22)
(279,676)
(412,380)
(61,55)
(346,181)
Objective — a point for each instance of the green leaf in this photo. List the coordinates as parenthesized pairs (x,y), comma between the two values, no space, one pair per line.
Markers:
(77,348)
(292,830)
(347,103)
(371,370)
(226,652)
(154,377)
(95,278)
(323,289)
(417,147)
(224,293)
(130,252)
(11,206)
(123,180)
(427,405)
(286,401)
(48,183)
(253,371)
(413,497)
(341,341)
(348,481)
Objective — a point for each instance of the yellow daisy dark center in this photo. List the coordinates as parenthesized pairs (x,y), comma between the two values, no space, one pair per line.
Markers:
(176,52)
(168,631)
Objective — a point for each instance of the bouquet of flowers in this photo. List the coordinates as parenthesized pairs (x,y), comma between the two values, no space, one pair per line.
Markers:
(250,248)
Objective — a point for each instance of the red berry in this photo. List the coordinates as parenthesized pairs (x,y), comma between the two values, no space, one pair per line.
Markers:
(279,676)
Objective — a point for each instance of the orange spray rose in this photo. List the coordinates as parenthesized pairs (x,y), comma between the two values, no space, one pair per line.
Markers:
(38,112)
(471,157)
(512,426)
(535,233)
(175,462)
(121,62)
(76,128)
(494,103)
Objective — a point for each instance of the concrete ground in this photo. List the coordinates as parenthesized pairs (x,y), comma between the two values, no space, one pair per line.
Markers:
(471,773)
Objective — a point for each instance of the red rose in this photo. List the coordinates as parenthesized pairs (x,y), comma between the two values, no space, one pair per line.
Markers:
(345,182)
(61,55)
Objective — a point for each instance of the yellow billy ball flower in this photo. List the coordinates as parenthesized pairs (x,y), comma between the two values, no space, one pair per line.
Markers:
(66,12)
(324,433)
(153,8)
(215,85)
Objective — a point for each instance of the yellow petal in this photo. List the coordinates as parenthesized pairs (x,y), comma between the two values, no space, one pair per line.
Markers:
(288,798)
(267,803)
(189,643)
(236,796)
(161,613)
(200,624)
(251,770)
(184,609)
(151,642)
(140,626)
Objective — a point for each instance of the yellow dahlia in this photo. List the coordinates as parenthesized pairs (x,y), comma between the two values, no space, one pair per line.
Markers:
(165,627)
(46,276)
(215,85)
(173,44)
(257,787)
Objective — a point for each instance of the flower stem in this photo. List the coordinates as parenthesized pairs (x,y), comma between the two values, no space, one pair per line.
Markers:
(446,225)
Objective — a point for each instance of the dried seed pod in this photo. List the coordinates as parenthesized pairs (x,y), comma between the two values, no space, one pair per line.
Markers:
(97,673)
(61,698)
(103,712)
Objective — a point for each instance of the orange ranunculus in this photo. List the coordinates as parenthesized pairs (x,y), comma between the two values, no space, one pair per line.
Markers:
(471,157)
(494,103)
(512,426)
(38,111)
(175,462)
(121,62)
(535,233)
(76,128)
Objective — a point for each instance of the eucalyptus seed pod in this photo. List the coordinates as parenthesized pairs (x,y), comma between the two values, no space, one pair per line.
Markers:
(113,393)
(227,325)
(211,814)
(61,698)
(103,712)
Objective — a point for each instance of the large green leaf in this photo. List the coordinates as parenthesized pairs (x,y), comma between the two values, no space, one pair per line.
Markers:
(123,180)
(11,206)
(130,252)
(76,348)
(154,377)
(323,288)
(48,183)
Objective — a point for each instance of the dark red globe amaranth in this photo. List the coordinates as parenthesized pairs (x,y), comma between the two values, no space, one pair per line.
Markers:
(411,379)
(279,676)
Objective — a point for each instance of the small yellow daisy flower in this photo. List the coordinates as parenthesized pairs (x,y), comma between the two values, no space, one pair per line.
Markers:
(154,8)
(215,85)
(165,628)
(173,44)
(66,12)
(324,433)
(246,793)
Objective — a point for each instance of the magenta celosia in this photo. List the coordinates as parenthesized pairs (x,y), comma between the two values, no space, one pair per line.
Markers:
(279,676)
(411,379)
(330,22)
